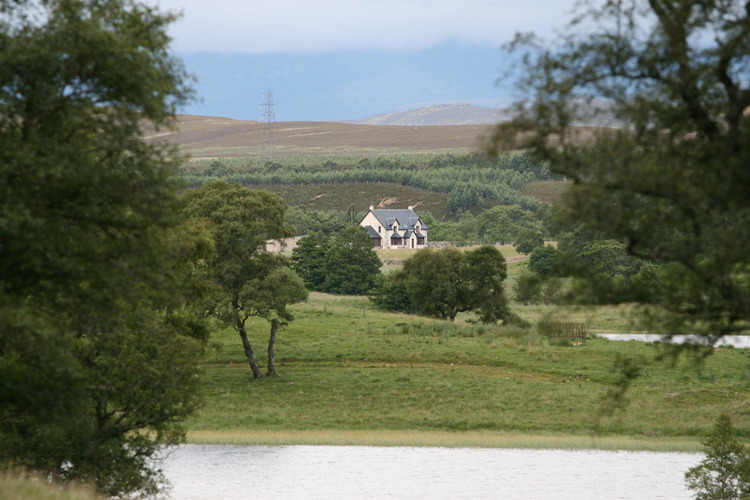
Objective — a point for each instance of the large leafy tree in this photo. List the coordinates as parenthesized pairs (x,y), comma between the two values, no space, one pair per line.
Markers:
(309,260)
(443,283)
(668,174)
(247,280)
(342,264)
(351,263)
(528,239)
(98,343)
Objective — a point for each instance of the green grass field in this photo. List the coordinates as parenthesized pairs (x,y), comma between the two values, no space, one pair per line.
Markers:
(353,375)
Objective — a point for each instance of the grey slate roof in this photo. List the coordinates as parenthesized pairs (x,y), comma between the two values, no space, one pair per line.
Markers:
(371,232)
(406,218)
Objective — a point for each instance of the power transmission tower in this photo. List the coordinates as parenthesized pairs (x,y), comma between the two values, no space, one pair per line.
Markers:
(269,119)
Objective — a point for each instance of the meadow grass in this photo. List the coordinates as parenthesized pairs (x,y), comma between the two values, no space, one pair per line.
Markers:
(352,374)
(443,439)
(19,485)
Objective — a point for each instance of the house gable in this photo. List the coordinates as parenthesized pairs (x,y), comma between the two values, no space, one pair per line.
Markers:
(395,228)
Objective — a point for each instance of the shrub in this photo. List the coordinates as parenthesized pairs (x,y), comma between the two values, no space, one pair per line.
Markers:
(725,472)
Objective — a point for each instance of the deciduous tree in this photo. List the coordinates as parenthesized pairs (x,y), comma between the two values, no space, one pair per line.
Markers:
(543,259)
(668,174)
(351,263)
(443,283)
(528,239)
(724,473)
(98,343)
(309,260)
(342,264)
(247,280)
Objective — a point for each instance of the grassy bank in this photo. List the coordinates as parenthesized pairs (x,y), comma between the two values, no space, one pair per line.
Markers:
(467,439)
(354,375)
(23,486)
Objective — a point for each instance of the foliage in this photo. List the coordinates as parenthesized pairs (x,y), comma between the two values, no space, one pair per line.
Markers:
(98,340)
(604,271)
(528,239)
(347,203)
(498,224)
(305,221)
(667,175)
(610,257)
(544,259)
(309,260)
(470,181)
(535,288)
(246,280)
(342,264)
(443,283)
(351,263)
(724,474)
(390,294)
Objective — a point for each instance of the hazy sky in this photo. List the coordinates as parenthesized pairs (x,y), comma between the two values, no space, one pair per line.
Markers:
(268,26)
(348,59)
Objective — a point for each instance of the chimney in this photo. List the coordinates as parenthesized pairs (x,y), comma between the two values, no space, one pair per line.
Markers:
(372,207)
(411,207)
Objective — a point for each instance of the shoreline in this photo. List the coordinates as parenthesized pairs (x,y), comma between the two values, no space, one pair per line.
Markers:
(443,439)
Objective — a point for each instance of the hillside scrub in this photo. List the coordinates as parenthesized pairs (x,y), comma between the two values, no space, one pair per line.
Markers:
(469,180)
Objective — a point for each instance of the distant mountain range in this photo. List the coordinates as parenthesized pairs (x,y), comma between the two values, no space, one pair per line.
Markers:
(346,84)
(441,114)
(600,115)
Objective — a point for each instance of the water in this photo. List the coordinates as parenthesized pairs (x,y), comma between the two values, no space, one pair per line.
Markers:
(739,341)
(205,472)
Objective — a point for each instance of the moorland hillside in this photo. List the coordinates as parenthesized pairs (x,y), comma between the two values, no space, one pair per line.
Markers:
(216,137)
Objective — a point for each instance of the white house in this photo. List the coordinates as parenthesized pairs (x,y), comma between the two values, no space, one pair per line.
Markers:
(395,228)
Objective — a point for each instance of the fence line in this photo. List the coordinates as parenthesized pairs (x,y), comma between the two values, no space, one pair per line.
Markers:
(574,333)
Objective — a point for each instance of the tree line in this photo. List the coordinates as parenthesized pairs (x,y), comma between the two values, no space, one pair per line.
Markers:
(467,281)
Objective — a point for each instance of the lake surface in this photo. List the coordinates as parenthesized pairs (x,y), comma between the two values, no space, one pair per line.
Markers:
(739,341)
(206,472)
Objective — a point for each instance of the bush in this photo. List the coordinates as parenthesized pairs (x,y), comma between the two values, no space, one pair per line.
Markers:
(390,294)
(725,472)
(533,288)
(543,259)
(528,239)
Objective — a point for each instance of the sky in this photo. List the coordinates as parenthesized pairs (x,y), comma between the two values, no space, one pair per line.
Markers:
(348,59)
(272,26)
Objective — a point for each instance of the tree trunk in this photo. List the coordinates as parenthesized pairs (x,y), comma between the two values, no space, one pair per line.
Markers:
(240,327)
(272,349)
